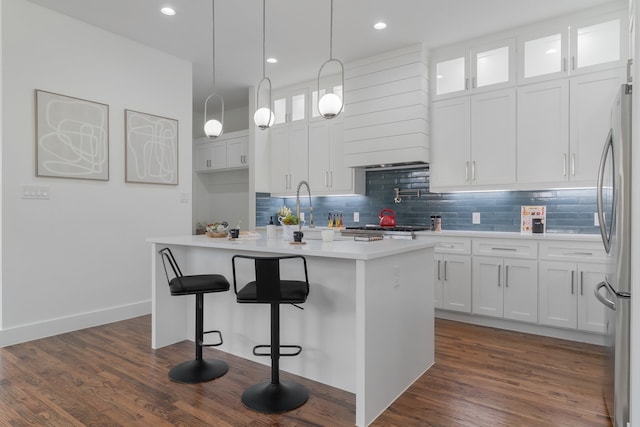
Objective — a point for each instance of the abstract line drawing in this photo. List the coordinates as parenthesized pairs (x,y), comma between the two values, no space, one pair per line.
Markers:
(151,148)
(72,137)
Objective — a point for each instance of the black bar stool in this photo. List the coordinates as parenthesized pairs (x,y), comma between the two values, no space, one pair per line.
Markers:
(273,396)
(198,370)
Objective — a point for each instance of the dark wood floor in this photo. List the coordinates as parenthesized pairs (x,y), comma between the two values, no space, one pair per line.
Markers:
(109,375)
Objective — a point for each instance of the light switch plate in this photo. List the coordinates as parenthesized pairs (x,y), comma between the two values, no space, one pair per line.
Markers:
(475,218)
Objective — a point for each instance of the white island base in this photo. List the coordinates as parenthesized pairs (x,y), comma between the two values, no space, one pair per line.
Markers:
(367,325)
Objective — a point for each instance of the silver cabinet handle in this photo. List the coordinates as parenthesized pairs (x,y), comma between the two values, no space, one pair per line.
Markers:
(445,270)
(573,164)
(466,83)
(499,268)
(564,164)
(573,62)
(564,65)
(581,282)
(326,178)
(466,172)
(506,276)
(572,274)
(438,269)
(331,178)
(473,170)
(473,83)
(504,249)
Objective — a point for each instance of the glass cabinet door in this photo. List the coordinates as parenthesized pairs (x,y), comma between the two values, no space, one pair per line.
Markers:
(290,106)
(543,55)
(451,76)
(493,65)
(596,44)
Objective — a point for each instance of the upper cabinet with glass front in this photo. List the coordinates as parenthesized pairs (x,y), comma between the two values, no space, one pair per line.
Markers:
(290,105)
(584,45)
(467,71)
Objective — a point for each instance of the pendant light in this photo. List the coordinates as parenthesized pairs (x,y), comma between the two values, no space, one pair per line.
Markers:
(263,117)
(330,104)
(213,126)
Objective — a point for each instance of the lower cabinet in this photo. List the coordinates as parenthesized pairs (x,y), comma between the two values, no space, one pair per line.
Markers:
(566,295)
(453,282)
(504,287)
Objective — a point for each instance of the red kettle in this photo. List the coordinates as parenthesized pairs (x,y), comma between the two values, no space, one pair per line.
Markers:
(387,218)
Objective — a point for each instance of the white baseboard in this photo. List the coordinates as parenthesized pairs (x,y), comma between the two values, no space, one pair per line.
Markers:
(76,322)
(529,328)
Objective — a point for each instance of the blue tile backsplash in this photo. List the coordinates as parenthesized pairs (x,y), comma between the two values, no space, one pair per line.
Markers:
(568,211)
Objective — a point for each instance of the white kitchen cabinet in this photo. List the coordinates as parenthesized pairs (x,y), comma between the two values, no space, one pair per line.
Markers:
(228,151)
(327,173)
(465,70)
(505,285)
(290,105)
(289,158)
(584,45)
(569,272)
(474,141)
(543,132)
(591,98)
(566,295)
(237,153)
(452,275)
(561,128)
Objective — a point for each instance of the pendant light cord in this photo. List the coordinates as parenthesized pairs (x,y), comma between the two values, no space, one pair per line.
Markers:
(264,59)
(213,56)
(331,33)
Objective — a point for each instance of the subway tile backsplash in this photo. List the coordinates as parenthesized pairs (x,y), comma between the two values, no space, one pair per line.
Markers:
(568,211)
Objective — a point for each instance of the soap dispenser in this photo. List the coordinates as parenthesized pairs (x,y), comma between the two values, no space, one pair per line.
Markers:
(271,229)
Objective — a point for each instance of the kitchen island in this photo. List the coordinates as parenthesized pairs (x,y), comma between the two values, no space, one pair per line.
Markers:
(367,325)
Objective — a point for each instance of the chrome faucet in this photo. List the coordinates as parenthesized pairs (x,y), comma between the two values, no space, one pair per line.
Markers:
(298,205)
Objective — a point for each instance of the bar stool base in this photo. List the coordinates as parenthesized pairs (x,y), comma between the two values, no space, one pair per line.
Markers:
(198,371)
(275,398)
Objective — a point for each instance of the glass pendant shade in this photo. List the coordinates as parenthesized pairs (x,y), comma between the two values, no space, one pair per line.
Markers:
(329,105)
(264,118)
(212,128)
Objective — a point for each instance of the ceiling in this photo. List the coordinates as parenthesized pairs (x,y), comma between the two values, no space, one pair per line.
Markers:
(297,32)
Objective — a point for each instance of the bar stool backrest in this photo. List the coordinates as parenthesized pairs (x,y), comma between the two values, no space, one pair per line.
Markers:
(268,280)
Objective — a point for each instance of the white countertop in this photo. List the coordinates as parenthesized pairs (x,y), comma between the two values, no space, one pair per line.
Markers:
(345,249)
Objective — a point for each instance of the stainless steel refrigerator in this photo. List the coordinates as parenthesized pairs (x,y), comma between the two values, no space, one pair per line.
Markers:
(614,214)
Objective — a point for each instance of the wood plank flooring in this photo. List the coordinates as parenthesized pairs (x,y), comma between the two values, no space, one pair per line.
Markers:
(109,376)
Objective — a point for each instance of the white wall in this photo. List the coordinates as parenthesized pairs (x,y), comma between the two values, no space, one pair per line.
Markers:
(81,258)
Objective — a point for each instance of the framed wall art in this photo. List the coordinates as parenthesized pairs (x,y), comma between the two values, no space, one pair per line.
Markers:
(72,137)
(151,148)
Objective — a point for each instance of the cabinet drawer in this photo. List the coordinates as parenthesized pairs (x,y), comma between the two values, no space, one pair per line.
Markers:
(573,251)
(453,245)
(505,248)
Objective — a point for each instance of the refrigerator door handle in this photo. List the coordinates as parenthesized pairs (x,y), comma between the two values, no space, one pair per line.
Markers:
(607,302)
(603,160)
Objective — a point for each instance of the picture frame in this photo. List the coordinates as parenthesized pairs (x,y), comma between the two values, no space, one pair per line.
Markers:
(72,137)
(151,148)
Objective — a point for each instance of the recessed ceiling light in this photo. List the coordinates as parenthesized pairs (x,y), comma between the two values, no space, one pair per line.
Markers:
(272,60)
(379,25)
(168,11)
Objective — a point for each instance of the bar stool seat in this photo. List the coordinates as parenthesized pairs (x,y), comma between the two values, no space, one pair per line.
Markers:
(197,370)
(274,395)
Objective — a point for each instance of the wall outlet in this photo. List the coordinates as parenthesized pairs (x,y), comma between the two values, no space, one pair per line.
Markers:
(356,217)
(596,221)
(301,216)
(475,218)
